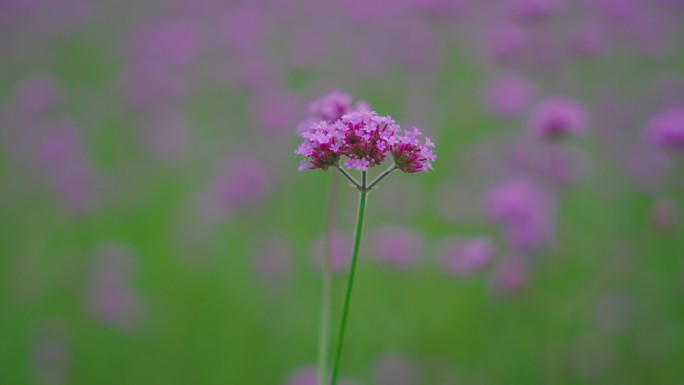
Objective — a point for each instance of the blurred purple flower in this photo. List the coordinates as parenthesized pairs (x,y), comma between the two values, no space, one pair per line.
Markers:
(340,251)
(334,105)
(78,186)
(555,165)
(276,112)
(508,94)
(665,130)
(166,46)
(648,167)
(243,183)
(395,369)
(256,71)
(158,54)
(244,28)
(109,297)
(589,39)
(509,276)
(506,41)
(397,247)
(49,353)
(526,211)
(38,93)
(59,144)
(272,261)
(664,214)
(465,258)
(303,376)
(557,117)
(50,360)
(74,179)
(616,10)
(443,8)
(536,10)
(418,47)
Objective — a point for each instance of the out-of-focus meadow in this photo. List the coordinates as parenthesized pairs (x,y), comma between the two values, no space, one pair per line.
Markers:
(154,228)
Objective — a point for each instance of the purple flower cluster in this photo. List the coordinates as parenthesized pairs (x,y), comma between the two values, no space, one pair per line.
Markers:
(364,138)
(525,210)
(666,129)
(557,117)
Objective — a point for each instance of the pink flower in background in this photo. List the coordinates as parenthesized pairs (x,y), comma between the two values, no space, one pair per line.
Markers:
(334,105)
(443,8)
(38,93)
(276,111)
(508,94)
(158,56)
(557,117)
(273,261)
(50,352)
(558,166)
(397,247)
(255,71)
(74,179)
(172,45)
(78,186)
(526,211)
(536,10)
(616,10)
(243,183)
(340,251)
(395,369)
(303,376)
(509,276)
(59,144)
(418,47)
(506,41)
(665,130)
(465,258)
(109,297)
(589,39)
(664,214)
(244,28)
(648,167)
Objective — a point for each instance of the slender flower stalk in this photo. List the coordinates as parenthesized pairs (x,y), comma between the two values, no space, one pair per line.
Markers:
(350,283)
(326,285)
(365,139)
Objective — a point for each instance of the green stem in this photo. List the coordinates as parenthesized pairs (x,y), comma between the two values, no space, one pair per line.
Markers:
(326,285)
(350,282)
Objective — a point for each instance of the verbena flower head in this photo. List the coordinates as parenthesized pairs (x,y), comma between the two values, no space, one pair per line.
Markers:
(666,129)
(557,117)
(410,155)
(364,138)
